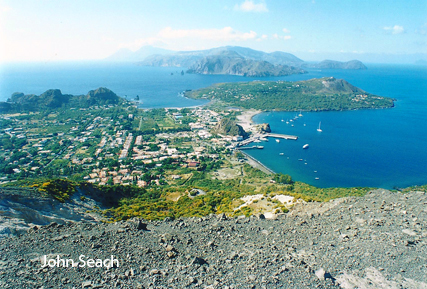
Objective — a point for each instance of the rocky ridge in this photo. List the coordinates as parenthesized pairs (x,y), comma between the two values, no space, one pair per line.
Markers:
(375,241)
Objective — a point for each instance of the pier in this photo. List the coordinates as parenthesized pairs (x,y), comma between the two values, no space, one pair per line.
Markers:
(258,136)
(252,147)
(284,136)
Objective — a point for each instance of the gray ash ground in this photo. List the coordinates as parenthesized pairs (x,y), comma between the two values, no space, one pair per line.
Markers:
(376,241)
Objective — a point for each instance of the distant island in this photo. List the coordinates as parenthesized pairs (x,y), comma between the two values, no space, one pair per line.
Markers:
(53,98)
(332,64)
(231,60)
(321,94)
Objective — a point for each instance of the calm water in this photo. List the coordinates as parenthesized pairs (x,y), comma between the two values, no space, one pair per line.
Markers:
(156,86)
(381,148)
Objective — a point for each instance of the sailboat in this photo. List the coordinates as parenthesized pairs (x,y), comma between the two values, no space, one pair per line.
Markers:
(319,129)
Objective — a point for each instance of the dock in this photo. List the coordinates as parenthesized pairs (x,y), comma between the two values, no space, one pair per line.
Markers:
(284,136)
(252,147)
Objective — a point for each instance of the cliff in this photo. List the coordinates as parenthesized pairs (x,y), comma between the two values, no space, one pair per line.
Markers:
(230,62)
(53,98)
(229,127)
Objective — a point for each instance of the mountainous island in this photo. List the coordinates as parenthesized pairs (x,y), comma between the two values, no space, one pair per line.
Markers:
(53,98)
(332,64)
(312,95)
(232,60)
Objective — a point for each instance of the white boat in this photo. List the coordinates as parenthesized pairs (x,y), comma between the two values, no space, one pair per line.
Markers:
(318,129)
(305,146)
(277,140)
(287,121)
(281,154)
(300,114)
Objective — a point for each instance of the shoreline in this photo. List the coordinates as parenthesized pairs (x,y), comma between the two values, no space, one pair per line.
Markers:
(245,119)
(257,164)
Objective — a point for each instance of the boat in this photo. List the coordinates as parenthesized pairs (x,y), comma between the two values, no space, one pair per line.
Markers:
(259,147)
(300,114)
(318,129)
(316,178)
(282,120)
(305,146)
(277,140)
(281,154)
(263,139)
(257,140)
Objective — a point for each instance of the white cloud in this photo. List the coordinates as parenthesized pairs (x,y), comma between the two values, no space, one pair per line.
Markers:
(250,6)
(286,30)
(263,37)
(396,29)
(224,34)
(285,37)
(184,38)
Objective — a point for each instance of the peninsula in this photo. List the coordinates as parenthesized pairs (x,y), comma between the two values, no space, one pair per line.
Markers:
(322,94)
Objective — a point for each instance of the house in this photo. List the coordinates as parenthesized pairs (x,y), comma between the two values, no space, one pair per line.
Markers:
(193,164)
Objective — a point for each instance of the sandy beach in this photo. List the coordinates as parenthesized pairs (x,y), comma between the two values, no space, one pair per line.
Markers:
(245,119)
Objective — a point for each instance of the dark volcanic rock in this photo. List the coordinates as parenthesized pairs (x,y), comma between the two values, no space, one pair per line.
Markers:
(264,128)
(376,241)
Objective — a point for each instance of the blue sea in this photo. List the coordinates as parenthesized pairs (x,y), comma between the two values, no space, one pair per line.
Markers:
(378,148)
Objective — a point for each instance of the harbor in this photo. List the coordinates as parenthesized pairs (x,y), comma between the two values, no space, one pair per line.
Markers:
(258,137)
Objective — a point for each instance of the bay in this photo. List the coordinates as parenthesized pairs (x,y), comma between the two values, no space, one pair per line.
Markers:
(379,148)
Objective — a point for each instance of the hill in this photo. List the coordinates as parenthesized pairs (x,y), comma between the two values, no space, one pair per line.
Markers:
(332,64)
(312,95)
(229,127)
(53,98)
(231,62)
(190,58)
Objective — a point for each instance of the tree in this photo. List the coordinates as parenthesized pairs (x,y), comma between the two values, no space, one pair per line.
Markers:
(283,179)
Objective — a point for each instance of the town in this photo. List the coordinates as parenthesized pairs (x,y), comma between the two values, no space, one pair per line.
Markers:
(114,144)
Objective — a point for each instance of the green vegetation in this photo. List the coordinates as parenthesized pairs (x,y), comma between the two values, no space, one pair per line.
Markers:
(282,179)
(60,189)
(310,95)
(53,99)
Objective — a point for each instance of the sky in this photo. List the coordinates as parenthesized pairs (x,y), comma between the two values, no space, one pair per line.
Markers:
(56,30)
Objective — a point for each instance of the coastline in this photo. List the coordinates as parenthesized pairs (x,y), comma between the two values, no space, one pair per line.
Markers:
(245,119)
(257,164)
